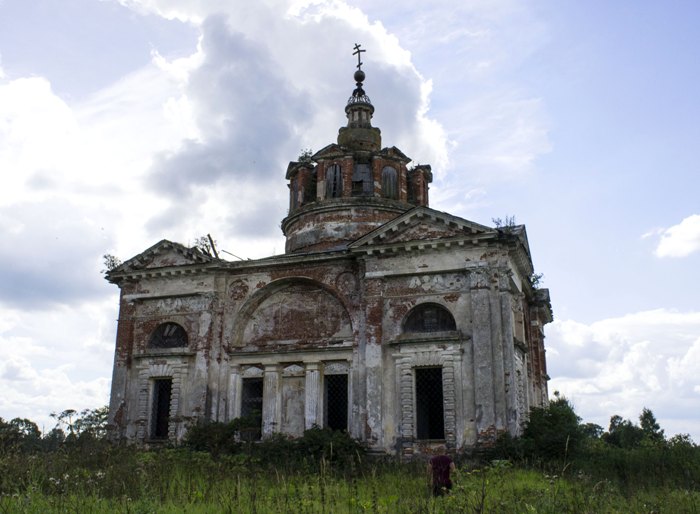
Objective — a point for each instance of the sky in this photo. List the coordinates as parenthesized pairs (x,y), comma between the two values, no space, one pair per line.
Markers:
(124,122)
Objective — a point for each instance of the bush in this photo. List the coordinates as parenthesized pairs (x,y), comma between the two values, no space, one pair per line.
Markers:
(330,445)
(316,445)
(213,437)
(553,432)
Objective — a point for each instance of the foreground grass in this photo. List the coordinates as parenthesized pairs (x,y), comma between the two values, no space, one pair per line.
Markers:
(124,480)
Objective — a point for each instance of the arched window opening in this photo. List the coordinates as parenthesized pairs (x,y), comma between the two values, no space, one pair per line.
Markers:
(429,317)
(334,182)
(168,335)
(390,186)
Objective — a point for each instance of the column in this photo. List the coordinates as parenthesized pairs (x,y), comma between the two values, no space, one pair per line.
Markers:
(312,396)
(235,391)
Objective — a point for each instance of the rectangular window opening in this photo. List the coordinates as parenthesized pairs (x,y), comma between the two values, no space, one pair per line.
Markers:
(362,180)
(251,409)
(336,401)
(430,415)
(160,414)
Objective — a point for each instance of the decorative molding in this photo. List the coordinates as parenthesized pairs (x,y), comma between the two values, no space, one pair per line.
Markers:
(252,372)
(293,370)
(335,368)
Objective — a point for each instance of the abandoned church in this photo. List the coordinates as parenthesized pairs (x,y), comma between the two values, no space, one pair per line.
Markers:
(407,327)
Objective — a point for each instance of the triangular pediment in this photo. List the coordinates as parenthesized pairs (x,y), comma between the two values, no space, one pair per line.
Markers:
(329,152)
(295,166)
(395,153)
(423,224)
(163,254)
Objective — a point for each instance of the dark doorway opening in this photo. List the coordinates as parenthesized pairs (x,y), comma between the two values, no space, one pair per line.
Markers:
(336,400)
(251,408)
(160,414)
(430,419)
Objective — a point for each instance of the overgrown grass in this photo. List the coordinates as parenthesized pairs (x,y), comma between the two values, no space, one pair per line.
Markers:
(102,478)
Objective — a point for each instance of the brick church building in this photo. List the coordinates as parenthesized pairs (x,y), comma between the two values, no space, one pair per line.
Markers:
(405,326)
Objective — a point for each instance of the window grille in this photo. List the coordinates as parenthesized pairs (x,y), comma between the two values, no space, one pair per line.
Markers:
(336,401)
(251,409)
(168,335)
(160,413)
(430,419)
(429,318)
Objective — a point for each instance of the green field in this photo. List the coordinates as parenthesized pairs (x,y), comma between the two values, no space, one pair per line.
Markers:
(558,465)
(105,479)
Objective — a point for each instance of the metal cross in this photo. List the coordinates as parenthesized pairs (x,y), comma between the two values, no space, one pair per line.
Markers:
(358,52)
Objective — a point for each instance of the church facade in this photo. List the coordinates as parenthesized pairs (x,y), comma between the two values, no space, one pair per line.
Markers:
(405,326)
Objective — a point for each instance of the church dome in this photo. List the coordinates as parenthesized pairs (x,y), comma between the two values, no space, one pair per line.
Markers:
(350,188)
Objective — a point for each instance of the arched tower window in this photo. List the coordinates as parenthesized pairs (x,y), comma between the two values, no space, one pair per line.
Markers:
(390,186)
(334,182)
(168,335)
(429,317)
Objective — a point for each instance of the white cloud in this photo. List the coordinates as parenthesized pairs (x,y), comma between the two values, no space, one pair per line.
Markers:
(256,90)
(621,365)
(56,359)
(680,240)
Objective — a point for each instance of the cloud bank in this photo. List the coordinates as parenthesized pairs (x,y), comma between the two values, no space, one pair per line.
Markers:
(620,365)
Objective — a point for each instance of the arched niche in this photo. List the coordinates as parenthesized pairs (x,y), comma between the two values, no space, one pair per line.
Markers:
(429,317)
(292,310)
(168,335)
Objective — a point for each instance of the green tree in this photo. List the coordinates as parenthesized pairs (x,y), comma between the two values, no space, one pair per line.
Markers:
(592,430)
(65,419)
(19,434)
(111,262)
(92,422)
(653,433)
(86,424)
(553,432)
(623,433)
